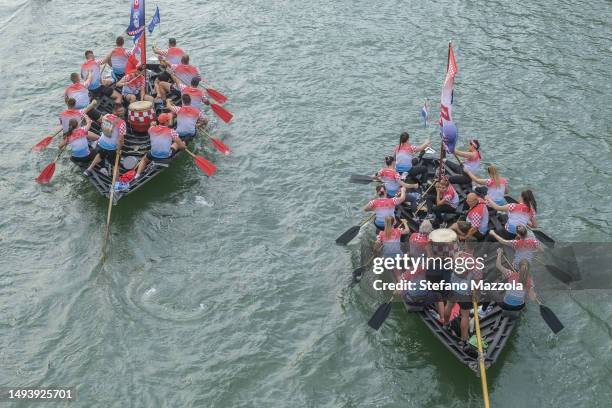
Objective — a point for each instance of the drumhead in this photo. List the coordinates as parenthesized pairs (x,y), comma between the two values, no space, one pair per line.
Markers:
(140,106)
(129,162)
(442,235)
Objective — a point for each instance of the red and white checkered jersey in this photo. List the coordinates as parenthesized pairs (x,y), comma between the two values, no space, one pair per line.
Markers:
(161,140)
(186,119)
(79,93)
(451,197)
(418,242)
(185,72)
(173,55)
(117,128)
(494,192)
(133,83)
(478,217)
(403,155)
(197,95)
(68,114)
(384,207)
(92,65)
(518,214)
(524,249)
(391,178)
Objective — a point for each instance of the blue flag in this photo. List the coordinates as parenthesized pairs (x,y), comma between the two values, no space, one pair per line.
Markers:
(154,21)
(136,26)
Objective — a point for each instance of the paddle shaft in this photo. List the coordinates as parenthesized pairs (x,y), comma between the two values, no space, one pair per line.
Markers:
(111,195)
(425,193)
(483,372)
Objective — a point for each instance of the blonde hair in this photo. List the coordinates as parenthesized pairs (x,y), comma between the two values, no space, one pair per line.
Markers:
(388,226)
(494,175)
(524,272)
(425,228)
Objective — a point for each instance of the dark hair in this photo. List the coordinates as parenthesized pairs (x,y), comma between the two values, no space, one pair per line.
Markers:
(172,42)
(475,143)
(389,160)
(185,59)
(72,125)
(186,99)
(521,231)
(74,77)
(88,53)
(404,137)
(70,102)
(529,199)
(381,190)
(195,81)
(119,41)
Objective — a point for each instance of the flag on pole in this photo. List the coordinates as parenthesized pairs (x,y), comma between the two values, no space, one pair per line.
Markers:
(137,57)
(425,113)
(448,129)
(137,16)
(154,21)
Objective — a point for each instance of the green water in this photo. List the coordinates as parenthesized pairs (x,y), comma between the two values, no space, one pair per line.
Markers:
(229,291)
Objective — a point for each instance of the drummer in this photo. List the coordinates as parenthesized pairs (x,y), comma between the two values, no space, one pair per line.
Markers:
(134,85)
(165,142)
(113,130)
(477,221)
(187,117)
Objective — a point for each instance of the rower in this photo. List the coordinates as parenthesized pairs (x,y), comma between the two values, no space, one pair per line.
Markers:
(524,245)
(78,139)
(183,71)
(113,130)
(172,54)
(134,85)
(78,90)
(198,99)
(477,221)
(472,163)
(390,238)
(73,113)
(98,87)
(384,206)
(514,300)
(118,59)
(404,157)
(165,142)
(393,181)
(447,199)
(419,241)
(521,213)
(497,186)
(187,117)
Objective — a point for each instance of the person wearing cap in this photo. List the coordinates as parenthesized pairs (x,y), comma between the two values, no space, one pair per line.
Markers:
(187,117)
(472,163)
(134,86)
(384,206)
(165,142)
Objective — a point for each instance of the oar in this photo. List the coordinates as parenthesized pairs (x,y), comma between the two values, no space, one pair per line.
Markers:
(47,174)
(540,235)
(549,317)
(223,113)
(353,231)
(216,95)
(45,142)
(381,314)
(111,195)
(362,179)
(203,164)
(481,363)
(218,144)
(424,194)
(360,270)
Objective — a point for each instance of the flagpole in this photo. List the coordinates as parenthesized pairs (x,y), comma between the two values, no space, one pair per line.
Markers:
(144,46)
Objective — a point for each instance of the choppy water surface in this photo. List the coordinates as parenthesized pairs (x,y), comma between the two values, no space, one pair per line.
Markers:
(229,291)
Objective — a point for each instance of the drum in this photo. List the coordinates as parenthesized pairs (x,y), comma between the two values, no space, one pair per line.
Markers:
(140,115)
(443,242)
(129,162)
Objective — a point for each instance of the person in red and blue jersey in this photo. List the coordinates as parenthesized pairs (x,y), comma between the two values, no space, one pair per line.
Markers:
(198,99)
(78,139)
(477,220)
(447,199)
(172,54)
(521,213)
(472,162)
(525,245)
(392,178)
(165,142)
(98,87)
(384,206)
(118,59)
(187,117)
(134,86)
(113,130)
(404,157)
(183,71)
(73,113)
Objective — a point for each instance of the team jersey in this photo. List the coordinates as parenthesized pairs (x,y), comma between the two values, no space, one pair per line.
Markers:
(133,83)
(392,245)
(384,207)
(68,114)
(79,93)
(496,193)
(516,297)
(93,66)
(185,72)
(451,196)
(119,58)
(518,214)
(474,163)
(391,178)
(469,275)
(173,55)
(112,128)
(196,94)
(186,119)
(78,142)
(478,217)
(161,140)
(418,242)
(524,249)
(403,157)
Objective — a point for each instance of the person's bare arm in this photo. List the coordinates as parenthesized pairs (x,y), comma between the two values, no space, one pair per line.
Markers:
(505,271)
(495,206)
(500,239)
(475,179)
(91,105)
(423,146)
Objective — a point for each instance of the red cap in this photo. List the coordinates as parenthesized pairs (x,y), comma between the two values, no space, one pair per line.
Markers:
(164,118)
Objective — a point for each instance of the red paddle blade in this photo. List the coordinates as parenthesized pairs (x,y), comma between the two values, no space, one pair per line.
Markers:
(223,113)
(42,144)
(46,175)
(216,95)
(220,146)
(204,165)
